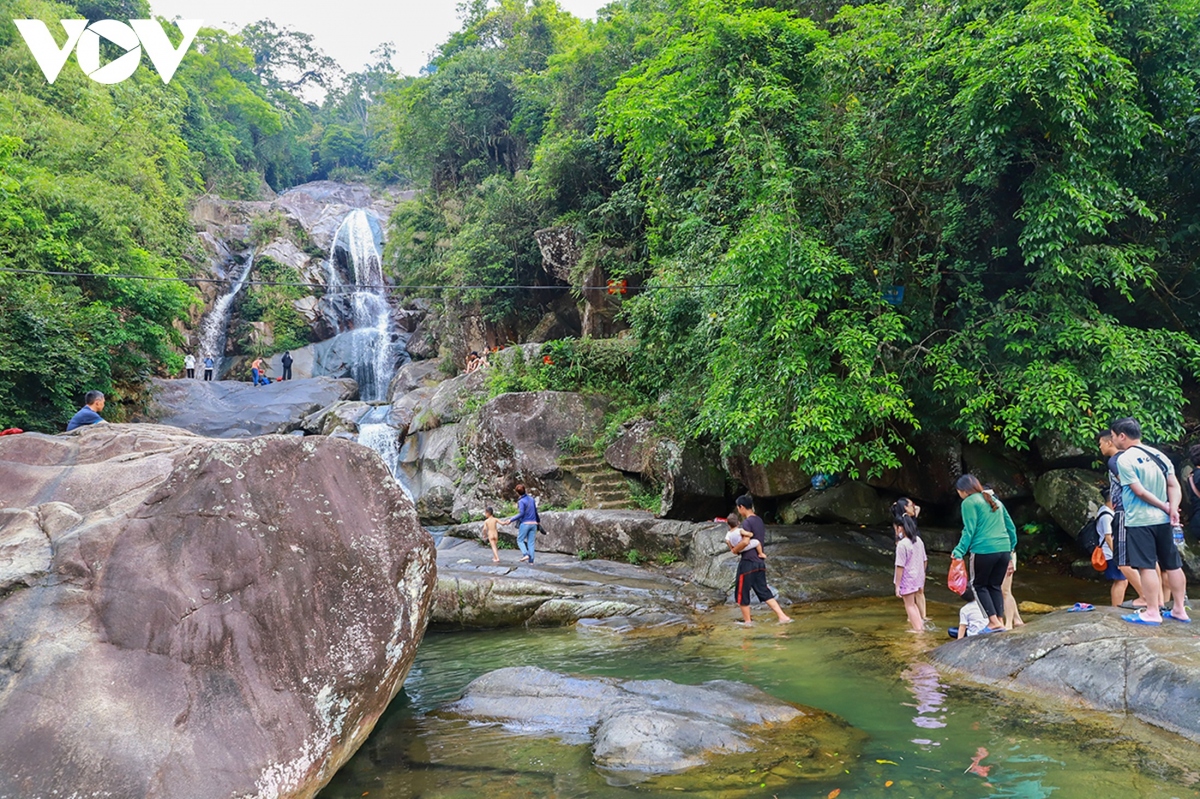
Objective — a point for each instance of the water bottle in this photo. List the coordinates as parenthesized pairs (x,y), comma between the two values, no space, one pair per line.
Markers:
(1177,534)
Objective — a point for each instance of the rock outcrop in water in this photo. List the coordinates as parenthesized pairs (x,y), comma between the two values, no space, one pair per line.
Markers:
(187,618)
(670,736)
(474,593)
(1094,659)
(231,409)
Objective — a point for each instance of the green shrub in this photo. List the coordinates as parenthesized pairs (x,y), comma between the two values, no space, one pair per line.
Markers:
(635,557)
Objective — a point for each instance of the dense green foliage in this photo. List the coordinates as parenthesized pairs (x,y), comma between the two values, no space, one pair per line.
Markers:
(1026,172)
(97,179)
(764,172)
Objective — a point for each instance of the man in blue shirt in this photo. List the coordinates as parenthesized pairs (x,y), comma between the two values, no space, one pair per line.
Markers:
(527,519)
(93,403)
(1150,495)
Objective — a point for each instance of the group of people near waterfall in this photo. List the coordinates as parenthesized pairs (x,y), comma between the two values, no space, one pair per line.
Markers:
(189,365)
(258,368)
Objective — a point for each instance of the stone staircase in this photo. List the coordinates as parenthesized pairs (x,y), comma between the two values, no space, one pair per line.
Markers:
(603,487)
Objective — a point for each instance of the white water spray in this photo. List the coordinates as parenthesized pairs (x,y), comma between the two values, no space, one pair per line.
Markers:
(374,350)
(215,327)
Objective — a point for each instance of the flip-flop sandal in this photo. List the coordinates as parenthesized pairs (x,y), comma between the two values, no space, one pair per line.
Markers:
(1136,618)
(1128,605)
(1168,615)
(989,631)
(1080,607)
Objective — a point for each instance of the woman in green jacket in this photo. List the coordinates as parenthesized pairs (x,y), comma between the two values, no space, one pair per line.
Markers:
(990,535)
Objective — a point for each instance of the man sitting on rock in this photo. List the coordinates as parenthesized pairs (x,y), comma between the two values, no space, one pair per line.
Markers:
(93,403)
(1150,496)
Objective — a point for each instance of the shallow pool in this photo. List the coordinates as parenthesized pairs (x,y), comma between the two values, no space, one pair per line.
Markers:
(853,659)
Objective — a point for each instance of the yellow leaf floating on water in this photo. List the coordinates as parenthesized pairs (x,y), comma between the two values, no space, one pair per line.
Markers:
(834,793)
(887,762)
(887,784)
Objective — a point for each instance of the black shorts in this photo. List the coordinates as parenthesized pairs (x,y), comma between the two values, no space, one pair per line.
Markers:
(752,578)
(1146,547)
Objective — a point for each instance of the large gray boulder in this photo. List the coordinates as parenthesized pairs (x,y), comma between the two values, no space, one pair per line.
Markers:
(190,618)
(430,469)
(415,375)
(1006,477)
(475,593)
(1070,496)
(639,729)
(776,479)
(850,502)
(1095,659)
(519,438)
(231,409)
(614,533)
(450,401)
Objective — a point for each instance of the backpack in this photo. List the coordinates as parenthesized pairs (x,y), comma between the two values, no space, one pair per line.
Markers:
(1088,537)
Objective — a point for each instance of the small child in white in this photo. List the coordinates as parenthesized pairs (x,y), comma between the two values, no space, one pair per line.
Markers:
(971,620)
(737,533)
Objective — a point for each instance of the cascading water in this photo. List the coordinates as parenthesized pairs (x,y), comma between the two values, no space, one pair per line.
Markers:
(355,266)
(374,349)
(215,327)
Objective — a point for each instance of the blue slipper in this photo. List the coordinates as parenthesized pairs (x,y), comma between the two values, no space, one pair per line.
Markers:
(1136,618)
(1167,615)
(989,630)
(1080,607)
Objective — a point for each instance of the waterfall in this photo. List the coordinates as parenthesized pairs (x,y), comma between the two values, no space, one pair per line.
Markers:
(215,327)
(374,349)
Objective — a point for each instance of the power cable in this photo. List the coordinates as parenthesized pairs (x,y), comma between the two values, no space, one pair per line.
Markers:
(384,288)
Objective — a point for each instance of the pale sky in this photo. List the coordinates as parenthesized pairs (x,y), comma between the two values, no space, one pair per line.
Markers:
(349,29)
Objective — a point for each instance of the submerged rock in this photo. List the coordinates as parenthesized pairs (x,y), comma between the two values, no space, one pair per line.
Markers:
(671,736)
(1095,659)
(189,618)
(231,409)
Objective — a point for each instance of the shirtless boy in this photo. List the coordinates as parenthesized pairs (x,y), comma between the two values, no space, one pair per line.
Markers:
(491,529)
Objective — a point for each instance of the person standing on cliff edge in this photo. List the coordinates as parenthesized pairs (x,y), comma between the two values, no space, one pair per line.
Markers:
(1150,496)
(286,360)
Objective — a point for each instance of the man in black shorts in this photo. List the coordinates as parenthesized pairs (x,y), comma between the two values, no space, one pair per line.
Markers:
(752,569)
(1150,496)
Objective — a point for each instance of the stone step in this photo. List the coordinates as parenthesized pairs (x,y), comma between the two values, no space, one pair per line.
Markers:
(580,460)
(611,497)
(590,471)
(613,480)
(623,505)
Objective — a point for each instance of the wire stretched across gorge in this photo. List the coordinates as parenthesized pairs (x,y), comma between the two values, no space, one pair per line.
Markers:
(385,288)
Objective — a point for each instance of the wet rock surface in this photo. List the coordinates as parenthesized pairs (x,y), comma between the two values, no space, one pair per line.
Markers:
(192,618)
(475,593)
(1095,659)
(637,730)
(231,409)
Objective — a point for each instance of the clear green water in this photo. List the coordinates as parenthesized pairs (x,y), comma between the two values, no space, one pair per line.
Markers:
(852,659)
